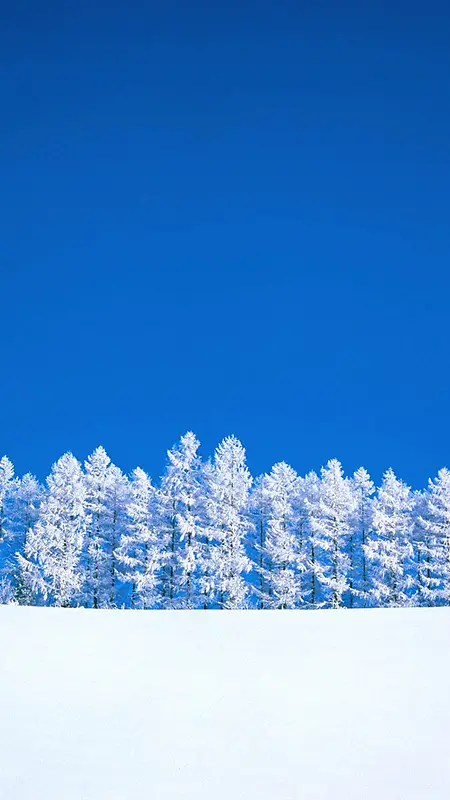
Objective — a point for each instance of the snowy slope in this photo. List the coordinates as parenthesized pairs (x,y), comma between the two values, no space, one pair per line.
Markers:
(223,706)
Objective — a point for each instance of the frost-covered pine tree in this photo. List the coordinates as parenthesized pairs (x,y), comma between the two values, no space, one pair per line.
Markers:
(182,503)
(259,506)
(8,486)
(309,561)
(28,497)
(331,513)
(434,541)
(363,489)
(389,549)
(96,586)
(307,489)
(106,499)
(281,544)
(141,552)
(118,498)
(426,575)
(228,485)
(54,545)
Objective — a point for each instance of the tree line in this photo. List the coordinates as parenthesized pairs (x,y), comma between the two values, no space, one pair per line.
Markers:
(208,536)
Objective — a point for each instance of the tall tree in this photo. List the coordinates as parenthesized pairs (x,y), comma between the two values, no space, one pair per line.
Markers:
(118,498)
(434,547)
(259,507)
(389,547)
(309,546)
(28,497)
(307,492)
(331,512)
(228,485)
(106,500)
(281,546)
(54,545)
(183,502)
(363,489)
(183,525)
(141,552)
(7,487)
(98,522)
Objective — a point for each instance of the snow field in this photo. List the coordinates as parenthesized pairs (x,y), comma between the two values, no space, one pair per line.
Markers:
(326,705)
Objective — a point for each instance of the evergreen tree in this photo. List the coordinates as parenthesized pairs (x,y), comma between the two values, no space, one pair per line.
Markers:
(389,547)
(281,546)
(331,512)
(28,497)
(183,525)
(307,489)
(54,545)
(259,506)
(228,485)
(97,480)
(311,566)
(106,500)
(141,551)
(182,498)
(434,548)
(118,498)
(8,486)
(363,489)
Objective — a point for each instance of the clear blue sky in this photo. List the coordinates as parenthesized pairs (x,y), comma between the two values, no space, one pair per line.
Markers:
(231,217)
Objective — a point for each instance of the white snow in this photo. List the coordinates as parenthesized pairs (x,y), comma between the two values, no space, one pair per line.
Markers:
(324,705)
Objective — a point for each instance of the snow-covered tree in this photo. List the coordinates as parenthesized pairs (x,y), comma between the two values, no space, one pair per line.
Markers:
(118,498)
(281,544)
(96,469)
(106,500)
(331,513)
(27,500)
(363,489)
(228,485)
(309,563)
(259,506)
(54,545)
(426,575)
(389,549)
(7,487)
(307,492)
(182,504)
(434,540)
(140,552)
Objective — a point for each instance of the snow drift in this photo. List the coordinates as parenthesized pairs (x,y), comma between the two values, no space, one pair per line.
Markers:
(220,706)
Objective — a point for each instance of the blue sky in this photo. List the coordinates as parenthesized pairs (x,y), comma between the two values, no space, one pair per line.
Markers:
(226,217)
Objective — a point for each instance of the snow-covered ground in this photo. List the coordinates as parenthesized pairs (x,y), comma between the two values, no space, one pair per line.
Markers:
(336,705)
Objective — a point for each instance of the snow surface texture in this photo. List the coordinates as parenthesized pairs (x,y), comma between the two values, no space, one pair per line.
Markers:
(325,705)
